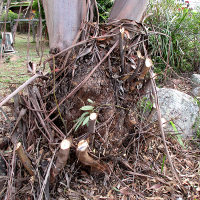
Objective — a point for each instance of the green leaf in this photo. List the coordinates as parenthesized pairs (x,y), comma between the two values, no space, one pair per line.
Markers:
(78,124)
(114,188)
(163,163)
(179,137)
(86,120)
(90,101)
(87,108)
(80,120)
(83,115)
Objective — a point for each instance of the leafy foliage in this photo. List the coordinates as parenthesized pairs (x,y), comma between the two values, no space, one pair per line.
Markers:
(104,7)
(178,136)
(87,108)
(81,120)
(11,16)
(84,118)
(35,7)
(145,104)
(178,43)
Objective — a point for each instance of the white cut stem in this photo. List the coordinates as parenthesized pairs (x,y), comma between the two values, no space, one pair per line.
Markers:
(148,65)
(86,159)
(82,154)
(65,144)
(92,123)
(62,157)
(82,145)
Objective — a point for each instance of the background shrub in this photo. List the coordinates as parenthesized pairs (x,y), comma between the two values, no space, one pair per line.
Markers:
(11,16)
(177,41)
(104,7)
(35,7)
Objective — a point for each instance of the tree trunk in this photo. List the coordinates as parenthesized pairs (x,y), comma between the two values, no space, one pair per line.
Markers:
(63,20)
(1,8)
(128,9)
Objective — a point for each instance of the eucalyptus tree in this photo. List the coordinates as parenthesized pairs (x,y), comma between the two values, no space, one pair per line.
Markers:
(64,17)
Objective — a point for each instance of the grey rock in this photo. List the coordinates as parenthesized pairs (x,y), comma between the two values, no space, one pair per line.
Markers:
(196,92)
(195,80)
(180,108)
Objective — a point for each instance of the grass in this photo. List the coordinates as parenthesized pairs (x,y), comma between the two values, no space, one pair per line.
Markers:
(13,67)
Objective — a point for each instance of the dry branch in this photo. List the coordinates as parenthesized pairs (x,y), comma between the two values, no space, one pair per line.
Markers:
(62,157)
(20,88)
(82,83)
(86,159)
(162,129)
(121,47)
(46,177)
(94,67)
(24,158)
(21,114)
(36,106)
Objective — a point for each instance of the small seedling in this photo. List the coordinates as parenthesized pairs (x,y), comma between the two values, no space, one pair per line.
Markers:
(84,118)
(163,163)
(145,104)
(196,127)
(179,137)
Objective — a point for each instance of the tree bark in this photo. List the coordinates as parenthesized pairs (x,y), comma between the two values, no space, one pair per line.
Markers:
(63,20)
(128,9)
(1,8)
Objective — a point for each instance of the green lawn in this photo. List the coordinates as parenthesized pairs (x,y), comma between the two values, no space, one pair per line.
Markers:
(13,67)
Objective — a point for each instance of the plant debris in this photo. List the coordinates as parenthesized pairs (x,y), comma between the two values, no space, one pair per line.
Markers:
(117,154)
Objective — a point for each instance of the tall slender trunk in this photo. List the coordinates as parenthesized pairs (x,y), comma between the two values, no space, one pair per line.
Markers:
(128,9)
(1,8)
(63,19)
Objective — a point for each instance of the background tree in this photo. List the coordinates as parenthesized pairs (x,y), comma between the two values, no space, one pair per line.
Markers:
(1,8)
(64,18)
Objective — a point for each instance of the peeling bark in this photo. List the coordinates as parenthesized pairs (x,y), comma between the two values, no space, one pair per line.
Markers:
(128,9)
(1,7)
(63,20)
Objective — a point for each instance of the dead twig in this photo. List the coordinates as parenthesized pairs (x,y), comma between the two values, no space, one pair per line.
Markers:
(11,175)
(46,177)
(20,88)
(21,114)
(24,159)
(153,84)
(82,83)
